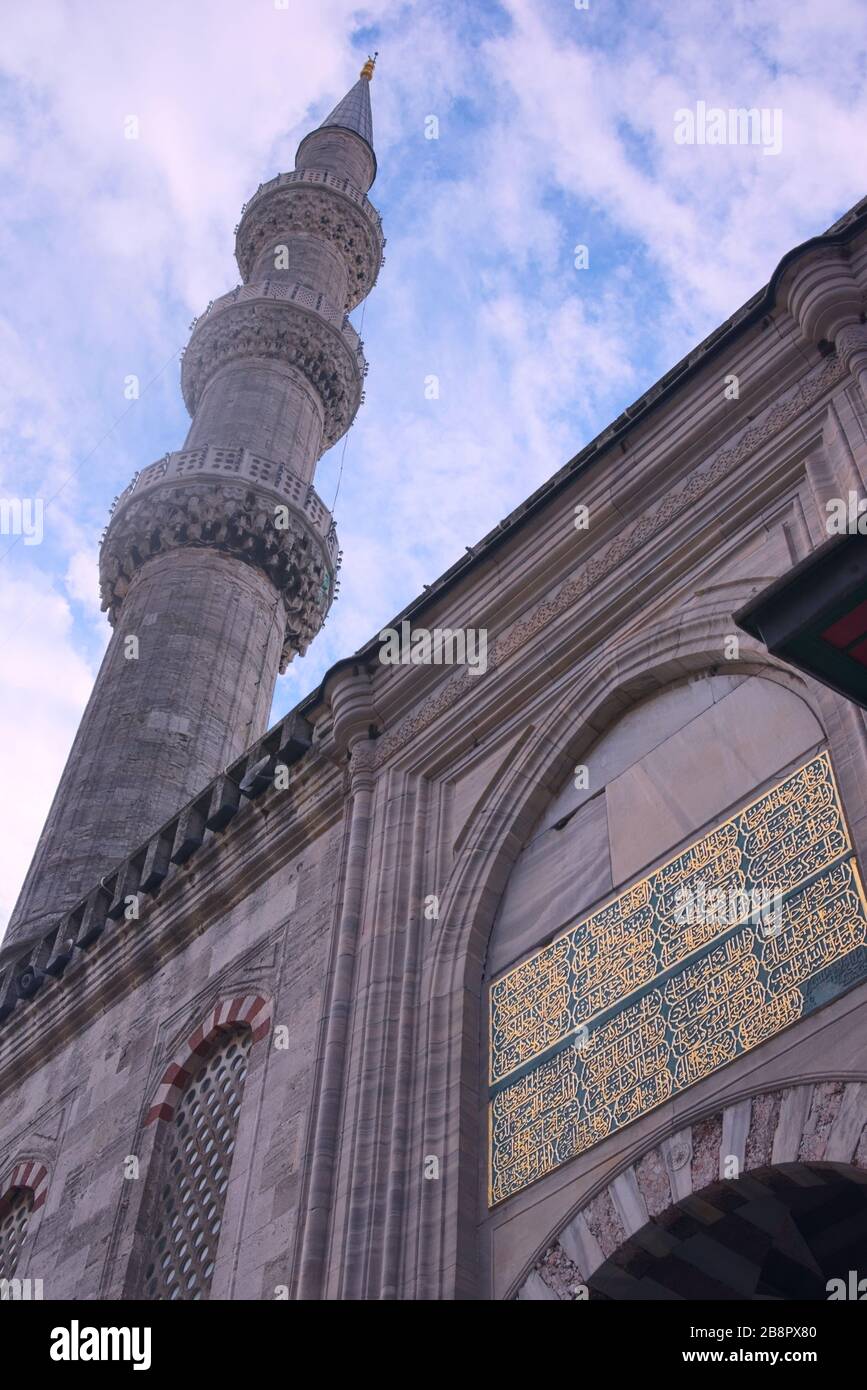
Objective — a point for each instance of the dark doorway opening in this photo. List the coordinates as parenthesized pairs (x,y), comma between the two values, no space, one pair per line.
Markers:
(776,1233)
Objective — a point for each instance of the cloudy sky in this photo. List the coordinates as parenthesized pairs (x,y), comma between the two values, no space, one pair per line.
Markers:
(555,129)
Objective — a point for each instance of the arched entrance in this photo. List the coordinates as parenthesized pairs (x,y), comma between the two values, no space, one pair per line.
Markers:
(776,1233)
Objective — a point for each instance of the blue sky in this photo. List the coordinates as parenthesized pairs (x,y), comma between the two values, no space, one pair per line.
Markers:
(555,129)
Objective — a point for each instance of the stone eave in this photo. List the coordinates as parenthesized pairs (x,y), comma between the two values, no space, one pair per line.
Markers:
(155,866)
(192,898)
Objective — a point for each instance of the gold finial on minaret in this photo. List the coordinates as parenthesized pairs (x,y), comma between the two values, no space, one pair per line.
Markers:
(367,70)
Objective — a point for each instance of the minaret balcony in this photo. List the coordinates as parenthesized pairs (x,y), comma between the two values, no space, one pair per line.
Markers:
(288,323)
(237,502)
(237,465)
(313,203)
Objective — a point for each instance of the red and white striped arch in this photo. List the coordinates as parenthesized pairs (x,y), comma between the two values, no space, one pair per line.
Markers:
(250,1009)
(29,1174)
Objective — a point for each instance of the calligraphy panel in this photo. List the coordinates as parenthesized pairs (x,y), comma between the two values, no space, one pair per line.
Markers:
(642,998)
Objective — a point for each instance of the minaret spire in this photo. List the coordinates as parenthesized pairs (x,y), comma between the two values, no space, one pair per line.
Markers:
(219,560)
(353,112)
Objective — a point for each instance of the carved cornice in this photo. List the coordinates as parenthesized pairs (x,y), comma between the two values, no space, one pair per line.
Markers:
(238,520)
(291,324)
(314,208)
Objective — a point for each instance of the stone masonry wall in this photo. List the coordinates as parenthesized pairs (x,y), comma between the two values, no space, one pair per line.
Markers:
(86,1108)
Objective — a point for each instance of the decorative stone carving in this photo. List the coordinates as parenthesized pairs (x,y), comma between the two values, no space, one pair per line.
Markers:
(311,175)
(289,290)
(852,339)
(315,209)
(237,520)
(680,1153)
(364,756)
(275,323)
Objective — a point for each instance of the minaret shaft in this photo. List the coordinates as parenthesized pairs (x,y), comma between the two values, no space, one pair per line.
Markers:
(219,561)
(267,407)
(207,626)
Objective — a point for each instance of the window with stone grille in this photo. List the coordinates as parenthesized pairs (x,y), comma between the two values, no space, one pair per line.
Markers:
(14,1221)
(200,1140)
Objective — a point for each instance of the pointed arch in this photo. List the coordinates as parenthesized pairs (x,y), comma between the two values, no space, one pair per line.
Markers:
(23,1190)
(29,1174)
(253,1010)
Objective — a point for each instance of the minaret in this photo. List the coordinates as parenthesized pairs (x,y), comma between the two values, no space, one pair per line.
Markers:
(218,563)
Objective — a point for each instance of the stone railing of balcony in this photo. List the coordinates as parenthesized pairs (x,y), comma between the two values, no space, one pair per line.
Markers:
(315,176)
(244,466)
